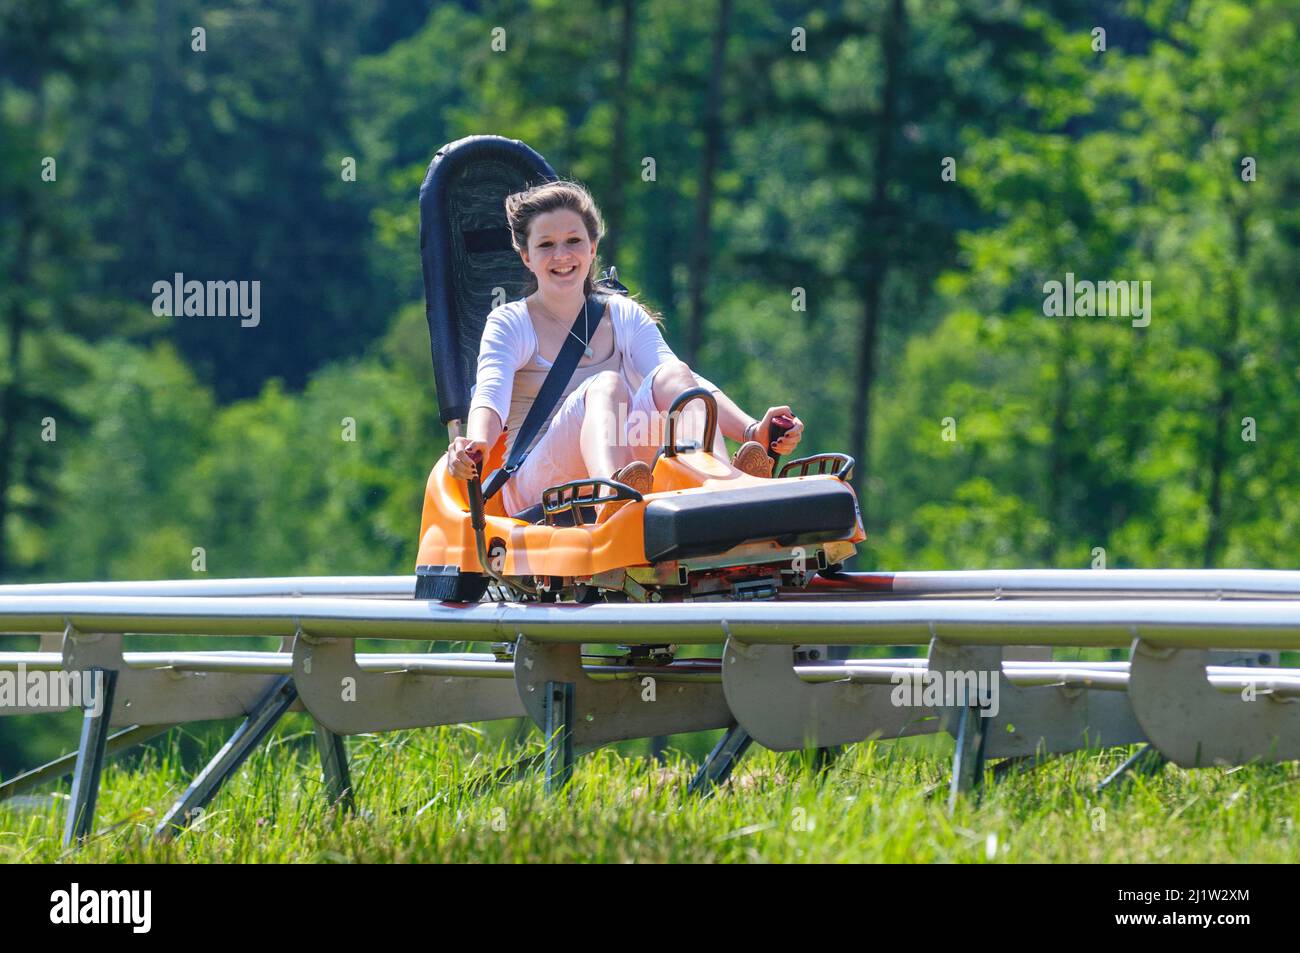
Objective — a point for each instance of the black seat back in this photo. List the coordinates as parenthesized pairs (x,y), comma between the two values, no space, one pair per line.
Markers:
(466,252)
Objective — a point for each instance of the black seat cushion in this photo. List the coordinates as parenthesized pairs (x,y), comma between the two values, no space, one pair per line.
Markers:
(702,524)
(789,511)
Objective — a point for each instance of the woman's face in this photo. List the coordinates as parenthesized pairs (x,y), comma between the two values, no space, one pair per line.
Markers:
(559,251)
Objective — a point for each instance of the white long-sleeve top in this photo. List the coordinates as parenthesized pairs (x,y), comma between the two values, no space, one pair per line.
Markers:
(509,343)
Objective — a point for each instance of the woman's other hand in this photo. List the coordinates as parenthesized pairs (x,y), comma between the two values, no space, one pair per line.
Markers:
(784,444)
(461,462)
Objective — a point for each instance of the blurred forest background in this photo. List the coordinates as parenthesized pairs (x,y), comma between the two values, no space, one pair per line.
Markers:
(795,146)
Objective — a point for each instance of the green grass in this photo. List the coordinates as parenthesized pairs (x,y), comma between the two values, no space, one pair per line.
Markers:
(438,796)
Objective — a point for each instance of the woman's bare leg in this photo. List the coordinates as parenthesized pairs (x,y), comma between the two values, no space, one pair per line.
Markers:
(671,379)
(603,450)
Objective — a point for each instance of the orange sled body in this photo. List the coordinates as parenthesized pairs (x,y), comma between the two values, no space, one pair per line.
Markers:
(705,529)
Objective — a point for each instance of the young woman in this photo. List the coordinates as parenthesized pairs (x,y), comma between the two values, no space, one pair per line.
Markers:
(608,423)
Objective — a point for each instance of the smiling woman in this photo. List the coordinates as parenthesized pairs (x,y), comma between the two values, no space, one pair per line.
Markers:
(624,382)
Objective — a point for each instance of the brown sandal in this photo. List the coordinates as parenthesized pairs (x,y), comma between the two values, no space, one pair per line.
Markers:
(751,458)
(638,476)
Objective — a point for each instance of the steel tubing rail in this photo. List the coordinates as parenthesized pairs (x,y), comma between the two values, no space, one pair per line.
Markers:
(372,587)
(1102,623)
(479,665)
(1099,675)
(1226,678)
(1063,584)
(994,583)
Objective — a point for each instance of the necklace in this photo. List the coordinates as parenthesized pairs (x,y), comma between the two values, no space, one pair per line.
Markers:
(586,345)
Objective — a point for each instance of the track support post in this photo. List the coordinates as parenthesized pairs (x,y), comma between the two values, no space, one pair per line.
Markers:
(558,703)
(1019,722)
(334,767)
(722,760)
(247,736)
(1146,761)
(607,710)
(968,756)
(91,753)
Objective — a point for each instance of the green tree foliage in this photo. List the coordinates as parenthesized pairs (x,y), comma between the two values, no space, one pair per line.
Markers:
(1067,434)
(1134,439)
(226,163)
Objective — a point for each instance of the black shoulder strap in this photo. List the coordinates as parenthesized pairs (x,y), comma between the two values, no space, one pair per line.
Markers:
(593,311)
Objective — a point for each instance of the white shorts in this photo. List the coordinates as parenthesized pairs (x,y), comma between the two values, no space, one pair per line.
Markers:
(557,456)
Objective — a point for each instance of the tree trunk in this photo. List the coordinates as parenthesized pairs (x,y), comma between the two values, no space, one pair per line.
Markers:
(865,375)
(1223,424)
(11,397)
(702,238)
(878,263)
(1057,451)
(615,204)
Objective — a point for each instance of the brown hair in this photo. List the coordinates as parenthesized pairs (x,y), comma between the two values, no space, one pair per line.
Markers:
(523,207)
